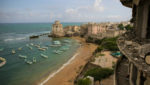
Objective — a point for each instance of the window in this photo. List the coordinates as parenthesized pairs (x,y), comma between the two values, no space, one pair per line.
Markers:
(148,25)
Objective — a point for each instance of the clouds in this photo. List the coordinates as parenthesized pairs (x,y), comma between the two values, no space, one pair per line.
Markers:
(65,11)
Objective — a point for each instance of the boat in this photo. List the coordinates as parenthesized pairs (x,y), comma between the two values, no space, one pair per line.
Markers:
(29,62)
(34,36)
(44,56)
(3,61)
(30,48)
(22,56)
(31,44)
(57,51)
(56,42)
(1,49)
(42,49)
(20,48)
(34,60)
(13,51)
(45,47)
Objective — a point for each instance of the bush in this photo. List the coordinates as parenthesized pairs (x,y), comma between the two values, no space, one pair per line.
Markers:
(110,44)
(90,40)
(121,27)
(85,81)
(99,73)
(128,27)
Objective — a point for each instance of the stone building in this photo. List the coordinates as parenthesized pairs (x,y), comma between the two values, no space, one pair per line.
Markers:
(94,29)
(72,30)
(57,29)
(134,67)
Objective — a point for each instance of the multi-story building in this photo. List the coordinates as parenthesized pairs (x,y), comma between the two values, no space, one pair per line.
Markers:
(134,67)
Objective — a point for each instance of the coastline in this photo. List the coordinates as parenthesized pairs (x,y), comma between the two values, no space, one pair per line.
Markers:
(68,72)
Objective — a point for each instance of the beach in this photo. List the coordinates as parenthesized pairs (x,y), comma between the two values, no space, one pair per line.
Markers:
(68,73)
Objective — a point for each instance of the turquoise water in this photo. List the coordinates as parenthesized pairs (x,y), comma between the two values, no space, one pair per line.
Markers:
(17,71)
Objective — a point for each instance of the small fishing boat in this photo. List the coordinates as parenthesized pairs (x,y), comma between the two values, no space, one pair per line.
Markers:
(29,62)
(13,51)
(42,49)
(45,47)
(3,61)
(31,44)
(34,60)
(1,49)
(22,56)
(44,56)
(57,51)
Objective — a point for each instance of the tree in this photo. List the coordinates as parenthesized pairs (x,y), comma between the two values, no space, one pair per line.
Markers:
(128,27)
(121,27)
(99,73)
(85,81)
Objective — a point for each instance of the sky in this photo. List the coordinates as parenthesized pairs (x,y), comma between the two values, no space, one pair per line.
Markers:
(14,11)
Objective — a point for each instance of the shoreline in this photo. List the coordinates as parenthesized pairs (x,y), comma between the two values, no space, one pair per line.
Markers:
(72,67)
(57,71)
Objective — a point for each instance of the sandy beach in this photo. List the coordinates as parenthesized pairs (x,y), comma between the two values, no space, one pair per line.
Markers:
(67,75)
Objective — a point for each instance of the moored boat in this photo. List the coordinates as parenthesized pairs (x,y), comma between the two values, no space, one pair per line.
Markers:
(34,60)
(13,51)
(22,56)
(44,56)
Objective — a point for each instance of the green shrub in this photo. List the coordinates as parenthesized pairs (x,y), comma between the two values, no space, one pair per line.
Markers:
(85,81)
(121,27)
(110,44)
(99,73)
(90,39)
(128,27)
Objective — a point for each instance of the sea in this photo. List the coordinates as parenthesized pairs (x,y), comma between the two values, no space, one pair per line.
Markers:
(17,71)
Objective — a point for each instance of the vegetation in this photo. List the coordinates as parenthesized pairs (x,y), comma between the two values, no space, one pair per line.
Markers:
(90,39)
(84,81)
(107,44)
(121,27)
(99,73)
(128,27)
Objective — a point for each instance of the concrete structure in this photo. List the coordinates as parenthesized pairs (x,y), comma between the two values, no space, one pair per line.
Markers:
(57,29)
(94,29)
(103,30)
(72,30)
(134,67)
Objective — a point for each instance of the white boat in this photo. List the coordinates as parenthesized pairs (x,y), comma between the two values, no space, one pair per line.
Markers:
(44,56)
(22,56)
(31,44)
(29,62)
(13,51)
(34,60)
(57,51)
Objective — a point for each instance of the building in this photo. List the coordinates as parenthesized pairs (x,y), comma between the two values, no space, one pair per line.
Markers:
(134,67)
(94,29)
(72,30)
(57,29)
